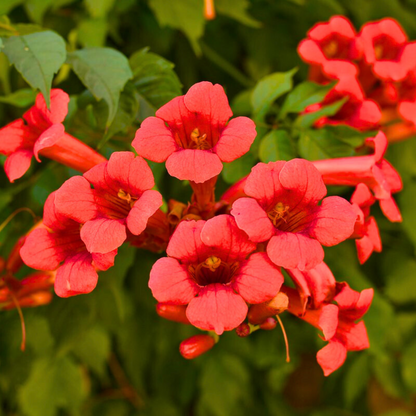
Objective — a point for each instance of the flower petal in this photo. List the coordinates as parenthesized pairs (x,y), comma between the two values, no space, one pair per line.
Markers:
(185,244)
(236,139)
(76,276)
(14,136)
(356,338)
(303,180)
(142,210)
(331,357)
(154,141)
(75,199)
(48,138)
(193,165)
(210,101)
(257,279)
(217,308)
(222,232)
(132,173)
(102,235)
(333,222)
(328,320)
(252,219)
(17,164)
(104,261)
(170,282)
(294,251)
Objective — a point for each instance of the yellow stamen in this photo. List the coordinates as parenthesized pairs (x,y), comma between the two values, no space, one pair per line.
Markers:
(126,197)
(212,263)
(200,141)
(331,49)
(285,338)
(278,213)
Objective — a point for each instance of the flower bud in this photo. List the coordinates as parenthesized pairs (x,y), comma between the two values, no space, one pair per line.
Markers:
(268,324)
(176,313)
(260,312)
(243,330)
(195,346)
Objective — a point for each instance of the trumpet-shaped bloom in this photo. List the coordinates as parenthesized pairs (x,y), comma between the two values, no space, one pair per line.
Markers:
(42,132)
(372,170)
(191,134)
(337,322)
(384,46)
(59,246)
(120,203)
(283,210)
(208,270)
(331,46)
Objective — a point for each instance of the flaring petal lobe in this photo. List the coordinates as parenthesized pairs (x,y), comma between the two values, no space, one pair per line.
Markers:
(222,232)
(210,101)
(102,235)
(194,165)
(258,279)
(236,139)
(154,141)
(76,276)
(17,164)
(13,136)
(331,357)
(170,282)
(104,261)
(142,210)
(295,251)
(48,138)
(252,219)
(217,308)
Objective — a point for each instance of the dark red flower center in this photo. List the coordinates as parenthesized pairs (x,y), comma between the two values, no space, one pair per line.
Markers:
(386,48)
(196,140)
(336,46)
(286,219)
(213,270)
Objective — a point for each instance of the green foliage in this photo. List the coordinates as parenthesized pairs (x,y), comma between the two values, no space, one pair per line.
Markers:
(37,56)
(104,71)
(276,145)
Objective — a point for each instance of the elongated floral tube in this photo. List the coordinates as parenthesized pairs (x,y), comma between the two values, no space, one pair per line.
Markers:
(372,170)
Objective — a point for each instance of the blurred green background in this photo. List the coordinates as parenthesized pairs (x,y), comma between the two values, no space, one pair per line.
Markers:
(108,353)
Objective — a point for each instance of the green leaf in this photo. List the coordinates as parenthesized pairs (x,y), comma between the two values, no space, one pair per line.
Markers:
(104,71)
(99,8)
(276,145)
(304,94)
(355,382)
(409,366)
(185,15)
(236,9)
(52,384)
(407,205)
(316,144)
(268,90)
(36,9)
(154,77)
(240,167)
(92,32)
(400,286)
(20,98)
(306,120)
(7,5)
(37,56)
(94,348)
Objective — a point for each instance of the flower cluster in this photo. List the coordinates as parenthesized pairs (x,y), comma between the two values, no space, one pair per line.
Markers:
(374,70)
(225,258)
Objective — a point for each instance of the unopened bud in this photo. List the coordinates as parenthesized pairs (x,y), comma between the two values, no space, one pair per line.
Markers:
(268,324)
(260,312)
(195,346)
(176,313)
(243,330)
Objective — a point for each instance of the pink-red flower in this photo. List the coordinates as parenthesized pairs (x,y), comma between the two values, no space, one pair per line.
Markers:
(385,47)
(331,47)
(357,112)
(337,322)
(372,170)
(208,270)
(283,210)
(42,132)
(59,246)
(120,204)
(366,234)
(191,134)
